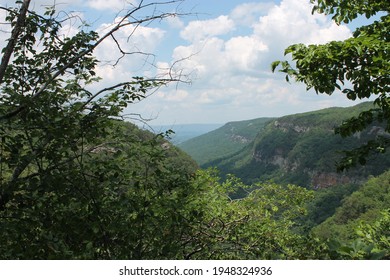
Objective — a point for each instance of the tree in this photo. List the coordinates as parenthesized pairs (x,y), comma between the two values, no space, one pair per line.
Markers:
(358,66)
(74,180)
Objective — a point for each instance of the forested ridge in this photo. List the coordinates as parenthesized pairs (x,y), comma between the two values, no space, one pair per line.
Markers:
(224,141)
(77,181)
(301,149)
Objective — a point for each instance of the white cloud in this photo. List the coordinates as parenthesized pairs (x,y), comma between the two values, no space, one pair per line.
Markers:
(173,96)
(244,53)
(292,22)
(199,30)
(110,4)
(5,29)
(201,59)
(216,60)
(248,13)
(228,58)
(285,24)
(330,32)
(231,73)
(141,41)
(175,22)
(70,27)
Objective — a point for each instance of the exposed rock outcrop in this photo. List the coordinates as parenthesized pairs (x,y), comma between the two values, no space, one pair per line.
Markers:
(239,139)
(285,126)
(321,180)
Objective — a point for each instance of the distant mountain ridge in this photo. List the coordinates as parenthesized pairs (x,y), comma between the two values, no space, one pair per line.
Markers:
(223,141)
(300,149)
(184,132)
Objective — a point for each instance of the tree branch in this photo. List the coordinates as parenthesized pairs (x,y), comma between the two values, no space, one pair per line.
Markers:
(9,49)
(122,23)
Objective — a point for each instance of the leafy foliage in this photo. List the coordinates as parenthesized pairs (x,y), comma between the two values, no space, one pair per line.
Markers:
(121,200)
(372,241)
(362,61)
(78,183)
(259,226)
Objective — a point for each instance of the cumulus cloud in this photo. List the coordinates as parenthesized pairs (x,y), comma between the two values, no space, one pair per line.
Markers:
(5,29)
(175,22)
(199,30)
(292,22)
(244,52)
(110,5)
(248,13)
(284,24)
(231,71)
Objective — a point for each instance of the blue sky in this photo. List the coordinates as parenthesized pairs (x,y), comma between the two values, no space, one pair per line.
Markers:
(223,47)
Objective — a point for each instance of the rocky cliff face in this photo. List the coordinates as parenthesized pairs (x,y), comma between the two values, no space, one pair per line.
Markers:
(303,149)
(239,139)
(286,126)
(321,180)
(317,179)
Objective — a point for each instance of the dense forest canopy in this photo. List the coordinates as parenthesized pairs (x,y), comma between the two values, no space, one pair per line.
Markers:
(78,182)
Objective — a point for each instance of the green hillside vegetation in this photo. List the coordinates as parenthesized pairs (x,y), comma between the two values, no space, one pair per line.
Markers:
(223,141)
(360,226)
(364,205)
(303,149)
(175,159)
(324,204)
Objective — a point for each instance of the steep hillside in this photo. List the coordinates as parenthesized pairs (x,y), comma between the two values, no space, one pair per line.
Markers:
(175,158)
(365,204)
(223,141)
(303,149)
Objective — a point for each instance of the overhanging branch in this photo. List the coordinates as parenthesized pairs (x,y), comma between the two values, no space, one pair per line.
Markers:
(122,23)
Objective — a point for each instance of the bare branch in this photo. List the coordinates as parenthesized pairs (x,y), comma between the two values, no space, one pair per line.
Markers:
(124,53)
(139,118)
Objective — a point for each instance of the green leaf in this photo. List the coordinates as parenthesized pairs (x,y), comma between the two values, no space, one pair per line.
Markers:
(274,65)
